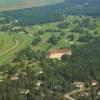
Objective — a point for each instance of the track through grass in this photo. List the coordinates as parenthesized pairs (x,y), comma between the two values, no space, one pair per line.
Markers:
(8,53)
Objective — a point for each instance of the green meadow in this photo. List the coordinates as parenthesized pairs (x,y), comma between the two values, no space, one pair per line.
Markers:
(10,44)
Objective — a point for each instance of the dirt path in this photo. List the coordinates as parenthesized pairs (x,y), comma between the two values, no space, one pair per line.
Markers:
(10,49)
(68,95)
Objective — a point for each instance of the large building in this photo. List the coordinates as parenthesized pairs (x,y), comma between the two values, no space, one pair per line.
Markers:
(58,53)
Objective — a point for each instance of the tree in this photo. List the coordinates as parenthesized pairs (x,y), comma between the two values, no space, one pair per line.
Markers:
(70,37)
(36,40)
(53,39)
(63,25)
(65,57)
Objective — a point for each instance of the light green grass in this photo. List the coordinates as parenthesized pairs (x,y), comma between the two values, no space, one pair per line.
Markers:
(6,53)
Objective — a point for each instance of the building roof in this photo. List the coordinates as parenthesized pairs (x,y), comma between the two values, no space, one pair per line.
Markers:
(65,50)
(94,82)
(13,77)
(78,83)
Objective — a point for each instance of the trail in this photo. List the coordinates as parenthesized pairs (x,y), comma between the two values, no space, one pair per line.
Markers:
(68,97)
(10,49)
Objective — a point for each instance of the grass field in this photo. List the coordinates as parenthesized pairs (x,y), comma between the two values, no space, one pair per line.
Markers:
(44,45)
(74,22)
(10,44)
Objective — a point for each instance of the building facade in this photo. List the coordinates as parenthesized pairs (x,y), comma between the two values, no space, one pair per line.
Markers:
(58,53)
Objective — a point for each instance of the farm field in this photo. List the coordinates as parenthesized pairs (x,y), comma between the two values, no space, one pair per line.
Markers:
(18,4)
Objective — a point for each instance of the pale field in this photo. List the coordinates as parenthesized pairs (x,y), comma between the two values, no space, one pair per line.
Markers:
(20,4)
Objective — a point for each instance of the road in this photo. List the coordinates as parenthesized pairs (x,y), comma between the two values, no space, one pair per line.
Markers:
(10,49)
(68,95)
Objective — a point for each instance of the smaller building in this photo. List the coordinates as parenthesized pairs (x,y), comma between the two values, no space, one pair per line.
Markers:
(94,83)
(13,77)
(39,83)
(83,94)
(58,53)
(24,91)
(80,85)
(98,93)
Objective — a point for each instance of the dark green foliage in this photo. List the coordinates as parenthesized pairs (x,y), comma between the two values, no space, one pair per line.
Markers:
(53,39)
(36,40)
(85,38)
(65,57)
(63,25)
(70,37)
(77,29)
(53,30)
